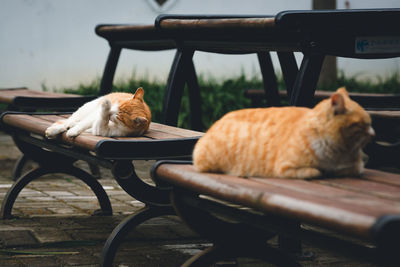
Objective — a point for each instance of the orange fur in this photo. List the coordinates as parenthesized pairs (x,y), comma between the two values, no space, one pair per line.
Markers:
(133,112)
(288,142)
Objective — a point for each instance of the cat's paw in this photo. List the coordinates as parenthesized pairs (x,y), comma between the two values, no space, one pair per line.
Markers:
(106,105)
(72,133)
(54,130)
(302,173)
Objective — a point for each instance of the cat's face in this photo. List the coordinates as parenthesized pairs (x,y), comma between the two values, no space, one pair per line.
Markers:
(346,121)
(134,113)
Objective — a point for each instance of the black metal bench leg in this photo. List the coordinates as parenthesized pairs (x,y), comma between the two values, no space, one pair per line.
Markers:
(289,69)
(109,70)
(269,78)
(24,180)
(19,166)
(194,97)
(175,86)
(23,160)
(232,240)
(262,251)
(127,225)
(306,80)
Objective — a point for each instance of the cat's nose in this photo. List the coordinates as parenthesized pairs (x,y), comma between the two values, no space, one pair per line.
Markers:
(371,131)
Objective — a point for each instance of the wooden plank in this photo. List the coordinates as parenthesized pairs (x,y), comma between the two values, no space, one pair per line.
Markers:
(38,124)
(382,177)
(50,118)
(355,213)
(390,114)
(365,187)
(319,191)
(218,23)
(318,94)
(27,123)
(7,95)
(180,132)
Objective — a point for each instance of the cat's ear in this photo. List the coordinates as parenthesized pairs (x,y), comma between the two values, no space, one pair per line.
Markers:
(342,90)
(140,121)
(139,94)
(337,102)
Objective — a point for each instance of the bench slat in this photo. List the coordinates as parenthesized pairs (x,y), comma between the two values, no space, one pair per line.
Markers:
(217,23)
(178,131)
(367,187)
(123,147)
(8,95)
(319,204)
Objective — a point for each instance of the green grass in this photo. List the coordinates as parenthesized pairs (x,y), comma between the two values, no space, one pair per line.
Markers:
(221,96)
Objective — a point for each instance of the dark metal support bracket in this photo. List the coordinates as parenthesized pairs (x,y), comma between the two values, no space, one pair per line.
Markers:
(109,70)
(269,78)
(24,180)
(230,239)
(306,80)
(127,225)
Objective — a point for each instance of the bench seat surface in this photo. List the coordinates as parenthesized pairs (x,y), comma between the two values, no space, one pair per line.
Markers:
(348,205)
(107,146)
(8,95)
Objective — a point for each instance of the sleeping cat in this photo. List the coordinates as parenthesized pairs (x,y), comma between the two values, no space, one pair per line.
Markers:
(288,142)
(115,114)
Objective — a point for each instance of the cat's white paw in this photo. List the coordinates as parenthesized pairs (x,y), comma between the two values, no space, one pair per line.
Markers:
(106,105)
(54,130)
(72,133)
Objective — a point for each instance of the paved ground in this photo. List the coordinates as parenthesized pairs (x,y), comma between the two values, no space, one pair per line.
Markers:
(56,227)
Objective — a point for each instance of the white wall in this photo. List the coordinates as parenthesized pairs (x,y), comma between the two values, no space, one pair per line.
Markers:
(53,41)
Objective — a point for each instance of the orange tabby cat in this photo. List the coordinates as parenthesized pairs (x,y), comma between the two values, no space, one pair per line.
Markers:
(288,142)
(115,114)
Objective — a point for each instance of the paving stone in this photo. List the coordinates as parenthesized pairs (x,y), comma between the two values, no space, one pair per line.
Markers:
(12,236)
(48,234)
(58,193)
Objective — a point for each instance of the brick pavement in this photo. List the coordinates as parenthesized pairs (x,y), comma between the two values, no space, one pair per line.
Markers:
(56,227)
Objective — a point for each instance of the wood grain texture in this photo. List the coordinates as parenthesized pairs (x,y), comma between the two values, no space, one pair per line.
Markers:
(8,95)
(38,124)
(348,205)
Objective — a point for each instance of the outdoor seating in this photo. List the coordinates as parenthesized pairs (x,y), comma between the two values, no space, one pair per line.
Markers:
(314,33)
(348,206)
(354,215)
(23,99)
(58,156)
(162,141)
(238,215)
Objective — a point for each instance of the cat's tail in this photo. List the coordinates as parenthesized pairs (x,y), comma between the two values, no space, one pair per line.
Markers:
(202,157)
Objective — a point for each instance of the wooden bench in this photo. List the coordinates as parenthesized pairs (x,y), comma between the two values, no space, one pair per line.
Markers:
(359,216)
(28,99)
(149,38)
(314,33)
(370,101)
(58,156)
(134,37)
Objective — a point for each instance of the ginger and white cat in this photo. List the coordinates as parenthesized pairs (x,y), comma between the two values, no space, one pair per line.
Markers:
(115,114)
(288,142)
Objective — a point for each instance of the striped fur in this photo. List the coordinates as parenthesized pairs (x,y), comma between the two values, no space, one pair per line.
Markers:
(288,142)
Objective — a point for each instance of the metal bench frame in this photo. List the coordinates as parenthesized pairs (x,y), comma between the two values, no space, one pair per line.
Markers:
(116,154)
(239,219)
